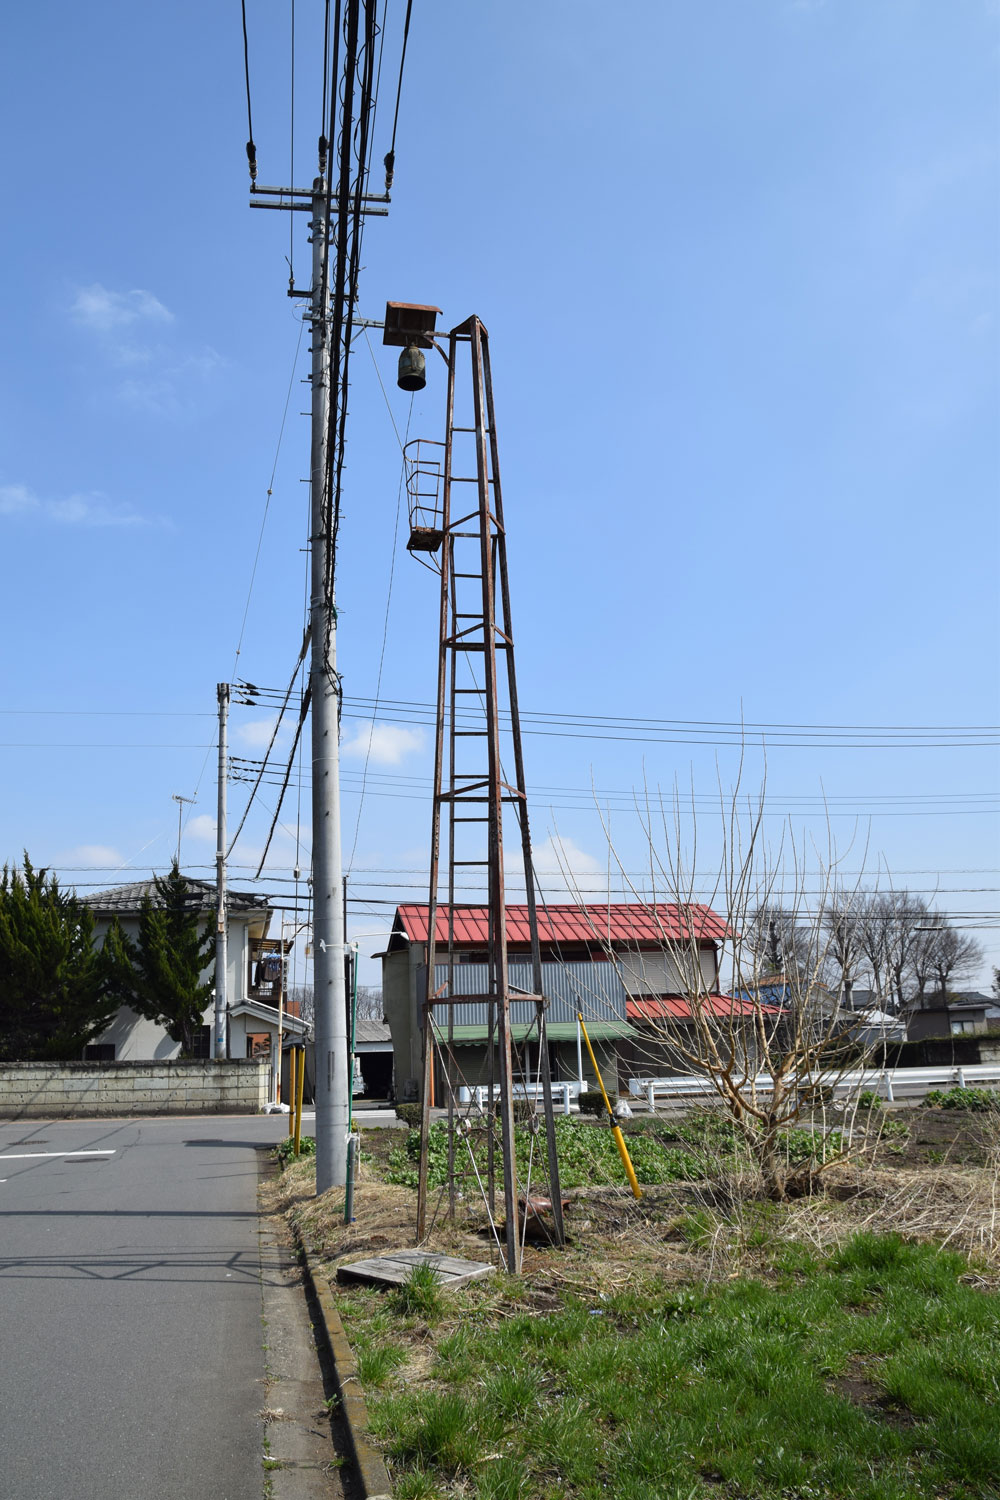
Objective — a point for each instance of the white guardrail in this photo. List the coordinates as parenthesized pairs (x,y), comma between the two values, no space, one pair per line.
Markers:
(563,1095)
(890,1083)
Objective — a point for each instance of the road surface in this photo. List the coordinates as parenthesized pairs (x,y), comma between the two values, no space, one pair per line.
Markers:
(131,1282)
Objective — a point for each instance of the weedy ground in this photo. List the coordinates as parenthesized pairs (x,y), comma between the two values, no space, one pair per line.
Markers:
(702,1342)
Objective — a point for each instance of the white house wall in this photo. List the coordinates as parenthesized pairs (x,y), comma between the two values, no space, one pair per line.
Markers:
(137,1039)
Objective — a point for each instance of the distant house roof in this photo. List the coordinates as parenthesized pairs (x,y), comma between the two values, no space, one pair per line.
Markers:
(201,896)
(371,1031)
(258,1011)
(634,923)
(678,1007)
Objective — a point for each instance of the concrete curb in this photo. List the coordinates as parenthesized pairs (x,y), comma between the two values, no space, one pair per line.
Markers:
(368,1461)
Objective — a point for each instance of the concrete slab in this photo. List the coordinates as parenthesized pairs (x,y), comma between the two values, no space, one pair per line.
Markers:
(393,1268)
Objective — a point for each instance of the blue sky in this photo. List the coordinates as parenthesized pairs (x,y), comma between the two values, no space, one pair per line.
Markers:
(739,267)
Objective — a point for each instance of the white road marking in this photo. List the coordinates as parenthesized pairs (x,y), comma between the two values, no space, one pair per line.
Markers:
(37,1155)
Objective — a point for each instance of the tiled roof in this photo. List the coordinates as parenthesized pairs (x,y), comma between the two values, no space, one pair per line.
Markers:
(631,923)
(678,1007)
(202,896)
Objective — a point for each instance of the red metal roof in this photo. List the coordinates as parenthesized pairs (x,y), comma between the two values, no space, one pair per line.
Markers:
(632,923)
(678,1007)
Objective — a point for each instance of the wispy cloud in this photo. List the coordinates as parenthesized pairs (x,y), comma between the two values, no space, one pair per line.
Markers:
(89,509)
(134,331)
(383,744)
(563,865)
(106,312)
(16,500)
(90,857)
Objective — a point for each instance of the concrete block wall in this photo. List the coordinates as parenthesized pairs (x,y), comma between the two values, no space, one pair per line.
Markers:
(51,1091)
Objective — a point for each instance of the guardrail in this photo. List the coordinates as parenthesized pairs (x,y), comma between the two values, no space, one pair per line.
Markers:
(890,1083)
(564,1092)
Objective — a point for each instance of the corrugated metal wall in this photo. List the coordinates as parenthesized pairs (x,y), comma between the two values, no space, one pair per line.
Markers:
(596,989)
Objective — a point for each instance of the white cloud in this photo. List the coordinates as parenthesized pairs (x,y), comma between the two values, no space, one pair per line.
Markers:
(105,312)
(90,856)
(256,733)
(383,744)
(201,827)
(563,866)
(15,499)
(75,510)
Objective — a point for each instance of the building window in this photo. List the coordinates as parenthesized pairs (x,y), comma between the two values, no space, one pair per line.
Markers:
(99,1052)
(202,1043)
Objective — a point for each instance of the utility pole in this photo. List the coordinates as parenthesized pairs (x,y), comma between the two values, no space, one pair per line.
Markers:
(333,1104)
(176,797)
(336,201)
(221,934)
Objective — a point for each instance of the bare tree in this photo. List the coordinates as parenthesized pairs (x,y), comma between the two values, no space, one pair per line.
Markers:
(946,955)
(847,918)
(894,941)
(369,1003)
(771,1051)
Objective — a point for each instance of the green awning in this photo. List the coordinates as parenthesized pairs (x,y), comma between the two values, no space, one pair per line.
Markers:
(556,1031)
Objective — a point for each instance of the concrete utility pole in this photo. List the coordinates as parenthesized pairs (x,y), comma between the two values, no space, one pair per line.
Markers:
(221,934)
(333,1103)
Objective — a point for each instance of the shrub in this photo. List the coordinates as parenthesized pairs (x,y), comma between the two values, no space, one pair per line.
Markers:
(591,1102)
(869,1099)
(409,1114)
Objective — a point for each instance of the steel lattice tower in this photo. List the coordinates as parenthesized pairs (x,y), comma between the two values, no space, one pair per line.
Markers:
(457,527)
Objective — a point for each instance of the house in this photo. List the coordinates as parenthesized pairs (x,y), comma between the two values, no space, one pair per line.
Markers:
(254,977)
(609,961)
(940,1015)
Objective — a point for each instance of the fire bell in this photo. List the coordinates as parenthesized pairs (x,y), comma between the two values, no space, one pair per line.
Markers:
(410,326)
(412,374)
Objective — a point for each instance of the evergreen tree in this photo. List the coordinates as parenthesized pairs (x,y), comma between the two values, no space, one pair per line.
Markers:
(57,992)
(161,972)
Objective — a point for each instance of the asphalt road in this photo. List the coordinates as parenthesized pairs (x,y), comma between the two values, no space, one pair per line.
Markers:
(130,1309)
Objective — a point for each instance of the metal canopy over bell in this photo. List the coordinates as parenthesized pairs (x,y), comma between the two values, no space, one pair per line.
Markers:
(412,375)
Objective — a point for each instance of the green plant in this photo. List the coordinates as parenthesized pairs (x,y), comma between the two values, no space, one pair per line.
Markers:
(420,1293)
(753,1388)
(410,1114)
(59,991)
(285,1149)
(869,1099)
(377,1362)
(962,1098)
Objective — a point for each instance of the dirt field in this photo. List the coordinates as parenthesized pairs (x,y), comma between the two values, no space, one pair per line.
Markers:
(933,1175)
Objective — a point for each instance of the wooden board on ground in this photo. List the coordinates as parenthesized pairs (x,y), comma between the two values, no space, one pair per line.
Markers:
(393,1268)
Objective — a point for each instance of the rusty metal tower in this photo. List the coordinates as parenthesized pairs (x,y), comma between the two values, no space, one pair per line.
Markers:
(457,528)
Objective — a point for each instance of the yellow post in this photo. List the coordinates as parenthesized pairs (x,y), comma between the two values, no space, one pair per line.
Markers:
(292,1054)
(616,1130)
(300,1084)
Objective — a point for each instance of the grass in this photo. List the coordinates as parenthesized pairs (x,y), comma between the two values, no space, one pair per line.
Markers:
(870,1373)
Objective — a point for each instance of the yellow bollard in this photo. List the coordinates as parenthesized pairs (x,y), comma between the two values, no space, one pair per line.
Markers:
(292,1054)
(300,1082)
(616,1129)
